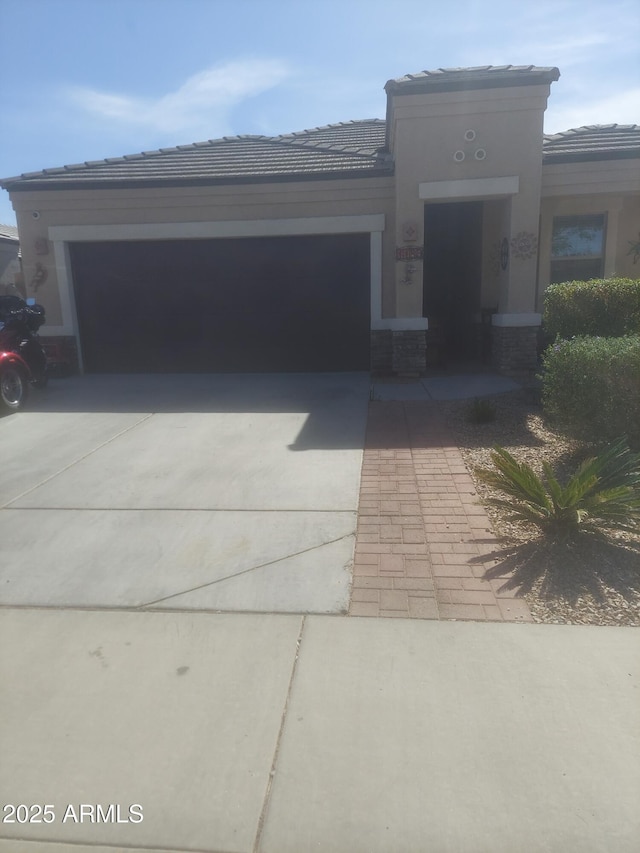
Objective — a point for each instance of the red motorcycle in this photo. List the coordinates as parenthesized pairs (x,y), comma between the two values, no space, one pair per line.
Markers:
(22,359)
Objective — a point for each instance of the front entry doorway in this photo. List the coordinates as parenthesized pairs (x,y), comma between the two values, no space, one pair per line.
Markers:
(452,279)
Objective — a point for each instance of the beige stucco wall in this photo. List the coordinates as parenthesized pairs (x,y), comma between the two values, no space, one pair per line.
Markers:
(292,201)
(609,187)
(426,133)
(591,178)
(495,224)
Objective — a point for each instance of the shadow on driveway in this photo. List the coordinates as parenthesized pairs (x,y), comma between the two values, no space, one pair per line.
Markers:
(335,402)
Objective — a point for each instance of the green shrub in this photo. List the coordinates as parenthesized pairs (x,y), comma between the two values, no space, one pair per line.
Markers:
(607,308)
(604,493)
(481,411)
(591,387)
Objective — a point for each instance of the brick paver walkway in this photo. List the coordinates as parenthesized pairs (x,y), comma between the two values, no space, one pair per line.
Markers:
(421,531)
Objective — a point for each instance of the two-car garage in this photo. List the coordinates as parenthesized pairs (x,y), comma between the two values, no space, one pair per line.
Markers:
(236,304)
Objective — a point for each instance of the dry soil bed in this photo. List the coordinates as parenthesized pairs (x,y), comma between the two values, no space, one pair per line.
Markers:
(597,583)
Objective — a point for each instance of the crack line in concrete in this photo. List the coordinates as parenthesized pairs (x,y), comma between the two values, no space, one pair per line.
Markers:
(272,772)
(67,844)
(244,571)
(428,392)
(75,462)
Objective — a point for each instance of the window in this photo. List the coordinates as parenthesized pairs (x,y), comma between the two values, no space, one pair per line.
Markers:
(577,248)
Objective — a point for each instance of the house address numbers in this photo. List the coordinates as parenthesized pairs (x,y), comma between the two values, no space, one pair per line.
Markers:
(409,253)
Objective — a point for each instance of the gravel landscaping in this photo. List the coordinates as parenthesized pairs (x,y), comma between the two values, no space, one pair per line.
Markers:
(594,583)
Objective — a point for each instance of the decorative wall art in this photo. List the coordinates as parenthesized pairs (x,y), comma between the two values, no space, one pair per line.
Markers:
(494,259)
(410,232)
(504,253)
(635,249)
(524,245)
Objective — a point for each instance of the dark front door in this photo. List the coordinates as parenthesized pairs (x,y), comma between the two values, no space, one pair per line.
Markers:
(235,305)
(452,275)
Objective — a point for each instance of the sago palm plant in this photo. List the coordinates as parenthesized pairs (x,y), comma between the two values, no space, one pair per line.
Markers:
(604,493)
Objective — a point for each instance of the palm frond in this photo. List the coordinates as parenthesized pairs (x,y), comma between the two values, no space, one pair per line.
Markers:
(604,492)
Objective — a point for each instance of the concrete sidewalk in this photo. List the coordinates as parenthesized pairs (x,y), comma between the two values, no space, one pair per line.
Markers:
(287,734)
(444,385)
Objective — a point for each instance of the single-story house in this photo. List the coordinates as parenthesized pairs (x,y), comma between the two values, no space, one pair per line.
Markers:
(382,244)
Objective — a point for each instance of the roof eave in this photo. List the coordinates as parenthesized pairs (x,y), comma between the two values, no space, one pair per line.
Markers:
(463,83)
(550,158)
(27,185)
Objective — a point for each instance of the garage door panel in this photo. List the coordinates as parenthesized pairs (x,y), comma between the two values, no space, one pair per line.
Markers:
(259,304)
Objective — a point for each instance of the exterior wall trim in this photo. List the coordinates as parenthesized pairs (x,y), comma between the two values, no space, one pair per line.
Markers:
(401,324)
(61,235)
(516,320)
(230,228)
(470,188)
(65,291)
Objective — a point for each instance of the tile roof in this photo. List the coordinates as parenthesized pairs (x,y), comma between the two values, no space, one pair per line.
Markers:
(9,232)
(347,149)
(350,149)
(479,77)
(592,142)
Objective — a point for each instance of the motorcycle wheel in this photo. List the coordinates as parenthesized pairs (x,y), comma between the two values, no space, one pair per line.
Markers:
(13,388)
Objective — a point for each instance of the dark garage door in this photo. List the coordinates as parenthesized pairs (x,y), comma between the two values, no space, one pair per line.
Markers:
(250,304)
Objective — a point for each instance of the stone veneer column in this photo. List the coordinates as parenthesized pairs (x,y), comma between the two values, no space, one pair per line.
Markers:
(400,352)
(514,349)
(409,352)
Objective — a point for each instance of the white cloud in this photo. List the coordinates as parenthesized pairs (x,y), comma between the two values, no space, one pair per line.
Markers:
(621,108)
(201,104)
(568,51)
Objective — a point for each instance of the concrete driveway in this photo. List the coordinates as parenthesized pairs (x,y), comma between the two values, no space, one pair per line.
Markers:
(183,492)
(263,732)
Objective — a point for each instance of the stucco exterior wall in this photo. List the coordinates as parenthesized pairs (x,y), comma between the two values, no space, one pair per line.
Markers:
(622,228)
(443,139)
(494,277)
(110,207)
(591,178)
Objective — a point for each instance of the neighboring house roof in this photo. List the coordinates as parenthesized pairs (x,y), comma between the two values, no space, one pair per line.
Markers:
(593,142)
(480,77)
(9,234)
(351,149)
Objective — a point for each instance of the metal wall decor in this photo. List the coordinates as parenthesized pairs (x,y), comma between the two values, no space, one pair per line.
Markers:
(494,259)
(635,249)
(504,253)
(479,154)
(409,231)
(524,245)
(39,277)
(409,270)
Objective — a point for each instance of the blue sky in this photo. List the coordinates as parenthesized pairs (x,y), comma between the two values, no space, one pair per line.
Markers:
(87,79)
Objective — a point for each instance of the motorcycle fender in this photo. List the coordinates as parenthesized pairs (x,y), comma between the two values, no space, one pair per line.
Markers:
(14,359)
